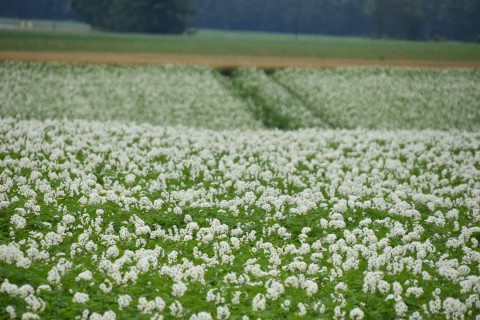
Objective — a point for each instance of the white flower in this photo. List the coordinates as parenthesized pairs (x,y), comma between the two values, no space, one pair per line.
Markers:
(159,304)
(179,289)
(201,316)
(68,219)
(356,314)
(223,312)
(259,302)
(18,221)
(34,303)
(11,254)
(30,316)
(275,290)
(112,252)
(124,301)
(401,308)
(302,310)
(130,178)
(454,308)
(236,297)
(11,312)
(108,315)
(9,288)
(85,275)
(310,287)
(176,309)
(26,290)
(80,297)
(415,291)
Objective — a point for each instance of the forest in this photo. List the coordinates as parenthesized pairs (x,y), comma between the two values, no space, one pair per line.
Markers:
(401,19)
(405,19)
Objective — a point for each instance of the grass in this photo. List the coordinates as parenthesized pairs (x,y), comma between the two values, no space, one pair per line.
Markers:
(207,42)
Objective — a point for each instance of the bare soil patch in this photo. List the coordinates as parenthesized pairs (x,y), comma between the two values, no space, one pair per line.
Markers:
(221,62)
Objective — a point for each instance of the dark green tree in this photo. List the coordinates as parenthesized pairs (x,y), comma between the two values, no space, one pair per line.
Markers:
(396,18)
(36,9)
(93,12)
(460,19)
(149,16)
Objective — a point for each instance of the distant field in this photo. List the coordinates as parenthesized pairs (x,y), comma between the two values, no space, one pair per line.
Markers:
(343,98)
(236,43)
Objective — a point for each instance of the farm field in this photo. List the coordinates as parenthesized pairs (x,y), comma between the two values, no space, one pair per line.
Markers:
(389,98)
(345,98)
(233,44)
(184,192)
(186,96)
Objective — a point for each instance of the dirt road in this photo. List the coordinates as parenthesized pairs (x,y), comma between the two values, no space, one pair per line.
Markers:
(223,62)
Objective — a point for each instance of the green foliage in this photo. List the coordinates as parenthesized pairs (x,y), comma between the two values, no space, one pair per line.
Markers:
(396,18)
(149,16)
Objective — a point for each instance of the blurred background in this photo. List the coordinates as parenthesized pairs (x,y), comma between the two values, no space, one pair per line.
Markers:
(393,19)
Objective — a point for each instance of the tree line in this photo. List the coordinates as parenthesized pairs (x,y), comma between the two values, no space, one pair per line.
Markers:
(154,16)
(405,19)
(36,9)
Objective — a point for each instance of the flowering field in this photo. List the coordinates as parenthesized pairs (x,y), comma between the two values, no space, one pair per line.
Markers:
(170,95)
(382,98)
(116,216)
(372,98)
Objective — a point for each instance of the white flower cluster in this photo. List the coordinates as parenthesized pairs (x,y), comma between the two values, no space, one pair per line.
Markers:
(125,219)
(80,297)
(148,307)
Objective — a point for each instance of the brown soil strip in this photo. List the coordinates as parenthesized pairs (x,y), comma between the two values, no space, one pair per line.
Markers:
(222,62)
